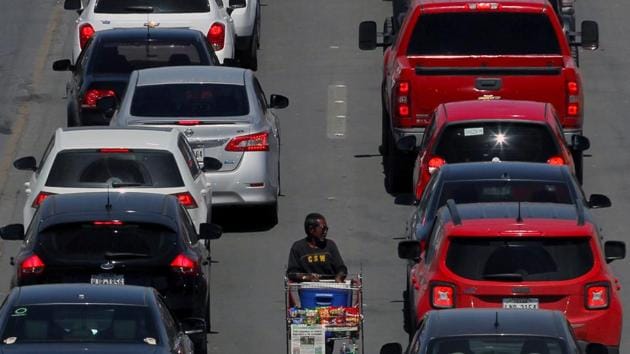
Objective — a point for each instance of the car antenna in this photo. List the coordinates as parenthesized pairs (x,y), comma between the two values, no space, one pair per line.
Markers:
(108,206)
(519,217)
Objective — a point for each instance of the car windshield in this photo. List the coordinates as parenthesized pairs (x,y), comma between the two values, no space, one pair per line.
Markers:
(496,141)
(503,344)
(114,168)
(79,323)
(125,57)
(151,6)
(107,240)
(493,191)
(190,100)
(517,259)
(475,33)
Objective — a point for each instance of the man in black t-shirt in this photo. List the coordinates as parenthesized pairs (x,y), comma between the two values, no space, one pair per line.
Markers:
(314,256)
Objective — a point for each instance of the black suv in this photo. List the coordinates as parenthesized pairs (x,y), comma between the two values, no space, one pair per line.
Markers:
(112,238)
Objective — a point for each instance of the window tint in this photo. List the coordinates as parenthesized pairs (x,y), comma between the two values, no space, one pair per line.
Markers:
(189,157)
(169,323)
(510,259)
(496,344)
(489,141)
(474,33)
(79,323)
(188,229)
(190,100)
(260,95)
(157,6)
(463,192)
(95,169)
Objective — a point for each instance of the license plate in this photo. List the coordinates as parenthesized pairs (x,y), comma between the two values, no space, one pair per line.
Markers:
(199,154)
(520,304)
(108,279)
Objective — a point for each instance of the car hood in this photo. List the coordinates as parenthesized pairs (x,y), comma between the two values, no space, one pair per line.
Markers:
(85,348)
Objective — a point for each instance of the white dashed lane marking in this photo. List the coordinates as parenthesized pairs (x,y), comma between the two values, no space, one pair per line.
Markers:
(337,109)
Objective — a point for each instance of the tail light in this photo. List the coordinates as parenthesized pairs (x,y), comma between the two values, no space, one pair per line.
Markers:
(86,31)
(93,95)
(442,296)
(573,99)
(40,199)
(402,102)
(184,264)
(216,36)
(435,163)
(597,296)
(556,160)
(251,142)
(32,265)
(186,200)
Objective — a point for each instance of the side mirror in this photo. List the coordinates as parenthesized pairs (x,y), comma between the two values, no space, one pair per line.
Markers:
(614,250)
(211,164)
(193,325)
(72,5)
(13,232)
(596,201)
(27,163)
(590,35)
(230,62)
(580,142)
(407,143)
(62,65)
(107,105)
(209,231)
(367,35)
(410,250)
(391,348)
(278,102)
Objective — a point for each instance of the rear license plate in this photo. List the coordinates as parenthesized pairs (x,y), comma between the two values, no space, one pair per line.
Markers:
(199,154)
(520,304)
(108,279)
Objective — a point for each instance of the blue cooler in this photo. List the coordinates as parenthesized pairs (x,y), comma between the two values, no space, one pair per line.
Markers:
(318,297)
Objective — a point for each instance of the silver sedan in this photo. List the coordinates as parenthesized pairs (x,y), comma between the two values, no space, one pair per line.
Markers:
(224,114)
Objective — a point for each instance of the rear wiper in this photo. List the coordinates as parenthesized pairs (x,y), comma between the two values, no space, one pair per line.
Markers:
(504,276)
(125,255)
(140,9)
(126,184)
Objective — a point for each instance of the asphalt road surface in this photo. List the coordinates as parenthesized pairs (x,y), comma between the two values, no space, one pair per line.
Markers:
(330,162)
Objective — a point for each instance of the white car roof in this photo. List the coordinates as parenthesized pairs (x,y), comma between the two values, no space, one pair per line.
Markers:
(106,137)
(191,74)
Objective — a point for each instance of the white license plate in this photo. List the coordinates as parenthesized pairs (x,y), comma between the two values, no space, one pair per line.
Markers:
(520,304)
(108,279)
(199,154)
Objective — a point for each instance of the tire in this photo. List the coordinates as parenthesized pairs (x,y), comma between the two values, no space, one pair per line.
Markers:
(249,56)
(578,161)
(270,213)
(201,344)
(399,167)
(406,310)
(385,133)
(399,7)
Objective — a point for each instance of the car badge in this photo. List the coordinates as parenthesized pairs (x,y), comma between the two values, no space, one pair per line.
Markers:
(188,132)
(106,22)
(107,266)
(151,24)
(521,290)
(488,98)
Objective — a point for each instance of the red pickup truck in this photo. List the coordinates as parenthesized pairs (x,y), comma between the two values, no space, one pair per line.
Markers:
(455,50)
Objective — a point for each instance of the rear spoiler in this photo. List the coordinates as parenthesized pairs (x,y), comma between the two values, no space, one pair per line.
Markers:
(551,70)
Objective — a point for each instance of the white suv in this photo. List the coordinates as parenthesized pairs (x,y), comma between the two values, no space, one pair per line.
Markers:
(208,16)
(246,15)
(91,159)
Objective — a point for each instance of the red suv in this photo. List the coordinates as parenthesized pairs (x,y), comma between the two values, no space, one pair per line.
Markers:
(504,130)
(518,256)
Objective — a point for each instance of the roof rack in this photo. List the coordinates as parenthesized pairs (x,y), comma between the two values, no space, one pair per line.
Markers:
(452,208)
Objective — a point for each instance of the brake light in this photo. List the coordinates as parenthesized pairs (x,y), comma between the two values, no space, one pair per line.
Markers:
(86,31)
(183,264)
(483,6)
(188,122)
(442,296)
(114,150)
(107,223)
(435,163)
(573,98)
(93,95)
(40,199)
(251,142)
(186,200)
(216,36)
(597,296)
(402,103)
(556,160)
(32,265)
(572,88)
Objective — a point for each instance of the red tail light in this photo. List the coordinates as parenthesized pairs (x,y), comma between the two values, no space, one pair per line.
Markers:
(402,103)
(435,163)
(188,122)
(185,265)
(32,265)
(597,296)
(556,160)
(40,199)
(114,150)
(93,95)
(572,88)
(187,200)
(216,36)
(107,223)
(251,142)
(442,296)
(573,98)
(86,31)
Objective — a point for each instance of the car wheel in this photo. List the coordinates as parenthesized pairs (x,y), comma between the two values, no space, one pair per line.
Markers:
(270,213)
(385,132)
(201,344)
(398,169)
(207,311)
(578,161)
(406,310)
(249,57)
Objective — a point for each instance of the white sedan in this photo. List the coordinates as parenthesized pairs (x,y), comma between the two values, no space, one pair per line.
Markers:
(208,16)
(91,159)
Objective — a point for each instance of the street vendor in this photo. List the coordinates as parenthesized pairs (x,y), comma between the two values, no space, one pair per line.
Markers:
(315,257)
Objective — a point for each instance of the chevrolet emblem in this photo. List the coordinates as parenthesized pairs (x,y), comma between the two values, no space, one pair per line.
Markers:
(488,97)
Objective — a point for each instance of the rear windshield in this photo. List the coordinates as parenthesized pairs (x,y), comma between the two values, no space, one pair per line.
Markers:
(463,192)
(124,57)
(512,259)
(190,100)
(151,6)
(97,169)
(496,344)
(496,141)
(106,240)
(79,323)
(475,33)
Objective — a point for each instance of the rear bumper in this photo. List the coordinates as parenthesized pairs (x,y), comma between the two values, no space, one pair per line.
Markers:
(92,117)
(602,327)
(400,133)
(568,133)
